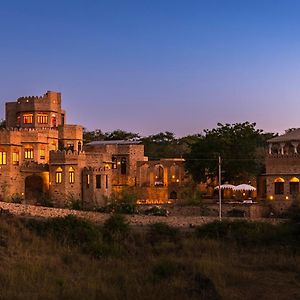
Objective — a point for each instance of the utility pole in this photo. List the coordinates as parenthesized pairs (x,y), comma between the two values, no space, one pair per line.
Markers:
(220,192)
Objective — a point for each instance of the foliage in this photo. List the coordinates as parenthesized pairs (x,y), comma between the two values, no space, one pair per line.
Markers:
(73,203)
(98,135)
(123,202)
(17,198)
(115,228)
(156,211)
(45,201)
(240,146)
(161,232)
(190,195)
(246,233)
(166,145)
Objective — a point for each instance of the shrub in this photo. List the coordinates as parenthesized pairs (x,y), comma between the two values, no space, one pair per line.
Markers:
(243,232)
(73,203)
(17,198)
(45,201)
(156,211)
(162,231)
(115,228)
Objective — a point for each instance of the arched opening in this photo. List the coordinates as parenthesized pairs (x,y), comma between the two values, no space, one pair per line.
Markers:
(159,175)
(71,175)
(33,188)
(294,186)
(279,186)
(173,195)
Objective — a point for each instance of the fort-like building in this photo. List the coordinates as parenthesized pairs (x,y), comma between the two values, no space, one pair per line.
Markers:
(42,156)
(283,169)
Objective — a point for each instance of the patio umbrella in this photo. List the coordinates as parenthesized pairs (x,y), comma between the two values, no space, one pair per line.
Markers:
(244,187)
(225,186)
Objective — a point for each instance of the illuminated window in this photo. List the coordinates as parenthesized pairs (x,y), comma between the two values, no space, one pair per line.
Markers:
(294,186)
(98,181)
(279,186)
(114,163)
(88,179)
(58,175)
(28,153)
(42,153)
(27,119)
(71,175)
(42,119)
(15,158)
(2,158)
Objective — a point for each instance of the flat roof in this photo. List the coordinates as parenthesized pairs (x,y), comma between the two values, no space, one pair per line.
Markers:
(113,142)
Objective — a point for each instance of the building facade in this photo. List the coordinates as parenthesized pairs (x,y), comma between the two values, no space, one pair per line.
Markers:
(42,156)
(283,169)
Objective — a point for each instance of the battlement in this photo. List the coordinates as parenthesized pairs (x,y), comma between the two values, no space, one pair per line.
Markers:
(62,157)
(48,95)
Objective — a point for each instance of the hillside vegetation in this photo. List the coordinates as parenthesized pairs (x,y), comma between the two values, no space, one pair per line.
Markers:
(71,258)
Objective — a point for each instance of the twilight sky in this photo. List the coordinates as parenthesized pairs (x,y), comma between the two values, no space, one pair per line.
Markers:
(154,65)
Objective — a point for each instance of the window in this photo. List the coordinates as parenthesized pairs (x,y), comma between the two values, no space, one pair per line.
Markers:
(58,175)
(114,163)
(2,158)
(27,119)
(279,186)
(42,119)
(123,166)
(15,158)
(88,180)
(28,154)
(98,181)
(71,175)
(106,181)
(42,153)
(294,186)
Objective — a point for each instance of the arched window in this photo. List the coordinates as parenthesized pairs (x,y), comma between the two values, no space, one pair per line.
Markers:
(294,186)
(71,175)
(279,186)
(58,175)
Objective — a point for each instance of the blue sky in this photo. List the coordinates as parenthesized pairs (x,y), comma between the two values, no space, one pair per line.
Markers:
(154,65)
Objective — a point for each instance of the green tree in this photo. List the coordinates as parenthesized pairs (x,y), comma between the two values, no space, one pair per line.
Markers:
(121,135)
(240,145)
(2,123)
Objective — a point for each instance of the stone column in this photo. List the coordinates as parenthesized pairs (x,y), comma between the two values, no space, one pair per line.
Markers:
(282,148)
(270,148)
(295,145)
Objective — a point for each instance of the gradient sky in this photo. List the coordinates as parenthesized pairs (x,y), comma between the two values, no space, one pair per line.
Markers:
(154,65)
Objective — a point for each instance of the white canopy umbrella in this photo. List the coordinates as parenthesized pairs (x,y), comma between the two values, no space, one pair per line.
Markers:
(225,186)
(244,187)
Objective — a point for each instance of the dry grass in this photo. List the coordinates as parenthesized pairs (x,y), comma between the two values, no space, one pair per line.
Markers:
(41,266)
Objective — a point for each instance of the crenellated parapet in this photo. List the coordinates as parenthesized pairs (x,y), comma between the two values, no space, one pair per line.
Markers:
(66,157)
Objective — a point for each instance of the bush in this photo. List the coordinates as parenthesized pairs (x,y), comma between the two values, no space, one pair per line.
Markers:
(156,211)
(68,230)
(17,198)
(161,231)
(115,228)
(119,208)
(73,203)
(45,201)
(243,232)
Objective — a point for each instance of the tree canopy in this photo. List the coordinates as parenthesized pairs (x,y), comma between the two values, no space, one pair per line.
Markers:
(240,146)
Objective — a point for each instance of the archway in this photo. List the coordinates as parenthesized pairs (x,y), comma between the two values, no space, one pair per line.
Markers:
(33,187)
